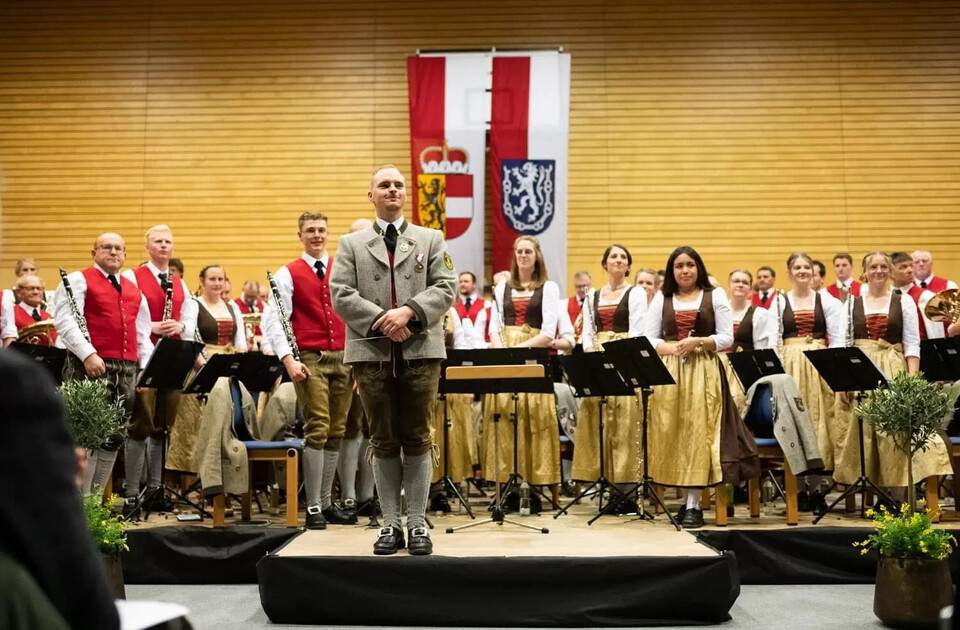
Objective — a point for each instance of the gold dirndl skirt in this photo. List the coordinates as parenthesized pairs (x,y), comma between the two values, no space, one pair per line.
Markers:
(538,433)
(884,463)
(463,438)
(685,423)
(182,450)
(621,435)
(817,395)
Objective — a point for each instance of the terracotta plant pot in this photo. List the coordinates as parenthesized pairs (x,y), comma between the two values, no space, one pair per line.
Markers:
(911,592)
(113,570)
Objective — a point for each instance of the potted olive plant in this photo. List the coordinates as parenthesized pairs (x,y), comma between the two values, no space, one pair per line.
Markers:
(913,578)
(110,537)
(96,421)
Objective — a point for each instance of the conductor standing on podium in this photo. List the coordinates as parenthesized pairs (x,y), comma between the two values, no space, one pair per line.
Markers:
(392,283)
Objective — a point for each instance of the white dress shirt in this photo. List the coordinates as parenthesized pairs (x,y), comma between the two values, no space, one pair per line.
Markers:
(270,323)
(723,317)
(475,331)
(68,331)
(8,328)
(763,335)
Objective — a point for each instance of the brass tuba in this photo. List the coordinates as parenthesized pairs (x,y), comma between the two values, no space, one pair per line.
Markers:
(944,307)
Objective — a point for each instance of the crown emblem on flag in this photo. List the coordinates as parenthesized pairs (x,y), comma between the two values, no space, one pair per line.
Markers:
(443,159)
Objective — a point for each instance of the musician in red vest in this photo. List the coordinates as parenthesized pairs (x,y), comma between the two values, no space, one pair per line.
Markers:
(581,284)
(845,285)
(153,414)
(29,310)
(8,327)
(250,302)
(472,311)
(324,383)
(118,324)
(904,279)
(766,278)
(923,270)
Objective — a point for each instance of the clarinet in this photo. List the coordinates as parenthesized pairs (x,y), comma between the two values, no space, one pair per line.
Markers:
(850,332)
(74,309)
(282,316)
(780,307)
(503,337)
(168,299)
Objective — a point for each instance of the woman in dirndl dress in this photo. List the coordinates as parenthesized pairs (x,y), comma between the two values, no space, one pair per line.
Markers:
(886,327)
(524,315)
(751,329)
(688,323)
(220,326)
(802,320)
(609,314)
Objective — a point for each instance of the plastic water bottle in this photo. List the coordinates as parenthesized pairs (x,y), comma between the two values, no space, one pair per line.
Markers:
(766,495)
(524,499)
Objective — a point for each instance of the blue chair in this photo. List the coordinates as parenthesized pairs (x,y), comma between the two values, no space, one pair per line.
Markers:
(759,420)
(259,451)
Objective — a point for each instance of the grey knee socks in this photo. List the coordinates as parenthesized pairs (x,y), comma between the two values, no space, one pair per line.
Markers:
(347,467)
(417,471)
(330,459)
(312,474)
(388,472)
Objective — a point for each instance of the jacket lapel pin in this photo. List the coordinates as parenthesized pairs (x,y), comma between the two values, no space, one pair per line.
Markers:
(419,267)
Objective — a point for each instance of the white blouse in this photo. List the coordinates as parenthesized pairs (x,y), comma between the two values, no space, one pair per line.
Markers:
(637,307)
(723,337)
(550,307)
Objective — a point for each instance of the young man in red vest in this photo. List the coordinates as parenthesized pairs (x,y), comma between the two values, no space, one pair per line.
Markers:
(845,286)
(118,334)
(766,278)
(581,285)
(322,380)
(472,311)
(153,414)
(29,310)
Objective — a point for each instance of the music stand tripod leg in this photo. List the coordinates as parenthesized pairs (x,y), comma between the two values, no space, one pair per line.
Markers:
(647,482)
(447,484)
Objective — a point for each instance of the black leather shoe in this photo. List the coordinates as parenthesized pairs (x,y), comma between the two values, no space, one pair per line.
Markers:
(315,519)
(692,518)
(419,543)
(681,513)
(803,501)
(350,506)
(336,515)
(389,542)
(439,503)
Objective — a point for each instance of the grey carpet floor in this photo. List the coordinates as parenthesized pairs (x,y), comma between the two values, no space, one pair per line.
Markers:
(758,608)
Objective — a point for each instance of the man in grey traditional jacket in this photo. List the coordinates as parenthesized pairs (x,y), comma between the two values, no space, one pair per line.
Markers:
(392,283)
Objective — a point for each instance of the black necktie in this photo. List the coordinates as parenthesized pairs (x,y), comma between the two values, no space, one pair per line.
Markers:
(390,238)
(114,282)
(319,267)
(763,296)
(163,281)
(923,284)
(468,303)
(36,315)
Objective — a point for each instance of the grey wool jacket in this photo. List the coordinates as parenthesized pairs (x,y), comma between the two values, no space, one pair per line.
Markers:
(360,285)
(792,426)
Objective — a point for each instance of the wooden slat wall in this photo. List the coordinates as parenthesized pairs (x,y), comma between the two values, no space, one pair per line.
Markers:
(745,129)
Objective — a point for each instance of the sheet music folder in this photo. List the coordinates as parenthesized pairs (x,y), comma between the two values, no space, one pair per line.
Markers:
(257,371)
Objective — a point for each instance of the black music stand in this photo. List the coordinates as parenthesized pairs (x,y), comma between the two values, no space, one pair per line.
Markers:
(752,365)
(592,375)
(850,370)
(50,357)
(166,370)
(501,371)
(257,371)
(642,368)
(940,359)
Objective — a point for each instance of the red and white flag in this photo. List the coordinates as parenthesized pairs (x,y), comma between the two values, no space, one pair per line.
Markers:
(447,98)
(529,128)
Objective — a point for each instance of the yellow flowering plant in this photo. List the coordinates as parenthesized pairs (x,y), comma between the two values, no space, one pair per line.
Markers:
(106,528)
(906,536)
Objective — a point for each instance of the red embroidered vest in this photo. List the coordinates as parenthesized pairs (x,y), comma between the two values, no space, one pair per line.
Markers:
(149,286)
(111,316)
(315,324)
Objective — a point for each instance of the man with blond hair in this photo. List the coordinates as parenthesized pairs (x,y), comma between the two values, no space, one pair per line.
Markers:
(153,415)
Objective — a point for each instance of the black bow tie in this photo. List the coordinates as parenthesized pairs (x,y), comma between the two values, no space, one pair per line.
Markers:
(114,282)
(36,315)
(390,238)
(164,280)
(319,267)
